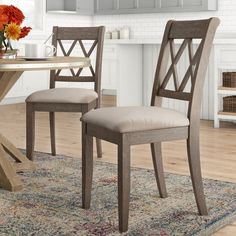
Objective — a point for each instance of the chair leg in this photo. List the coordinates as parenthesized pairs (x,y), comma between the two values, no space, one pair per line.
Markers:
(52,132)
(158,167)
(99,148)
(30,130)
(87,167)
(195,170)
(123,185)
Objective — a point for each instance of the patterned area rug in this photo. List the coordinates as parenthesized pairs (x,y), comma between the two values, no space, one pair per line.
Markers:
(50,203)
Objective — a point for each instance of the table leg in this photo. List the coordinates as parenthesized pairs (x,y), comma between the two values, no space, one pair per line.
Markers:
(8,169)
(8,178)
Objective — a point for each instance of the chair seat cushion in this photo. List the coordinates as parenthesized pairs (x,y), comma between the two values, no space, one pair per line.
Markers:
(134,119)
(63,95)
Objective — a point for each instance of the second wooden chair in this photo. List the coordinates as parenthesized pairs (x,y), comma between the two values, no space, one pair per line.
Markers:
(68,99)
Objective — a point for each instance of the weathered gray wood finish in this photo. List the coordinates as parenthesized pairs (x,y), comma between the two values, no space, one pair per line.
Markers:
(204,31)
(76,35)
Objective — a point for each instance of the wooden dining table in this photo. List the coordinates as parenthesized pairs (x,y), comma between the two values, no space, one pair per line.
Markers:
(13,160)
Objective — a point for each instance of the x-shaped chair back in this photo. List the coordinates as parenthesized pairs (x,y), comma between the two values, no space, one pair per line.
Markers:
(77,36)
(185,32)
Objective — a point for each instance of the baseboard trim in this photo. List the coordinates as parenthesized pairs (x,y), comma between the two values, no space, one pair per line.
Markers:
(111,92)
(14,100)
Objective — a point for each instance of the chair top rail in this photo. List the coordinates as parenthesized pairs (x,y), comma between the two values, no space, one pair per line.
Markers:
(188,29)
(78,33)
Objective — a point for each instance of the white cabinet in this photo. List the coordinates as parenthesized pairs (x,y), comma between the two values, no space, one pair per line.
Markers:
(188,5)
(150,6)
(200,5)
(71,6)
(127,4)
(103,7)
(220,93)
(225,62)
(171,3)
(147,4)
(106,6)
(112,7)
(118,73)
(109,68)
(66,6)
(85,7)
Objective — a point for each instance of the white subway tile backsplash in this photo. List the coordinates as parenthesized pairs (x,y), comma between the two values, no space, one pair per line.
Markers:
(66,20)
(152,25)
(147,25)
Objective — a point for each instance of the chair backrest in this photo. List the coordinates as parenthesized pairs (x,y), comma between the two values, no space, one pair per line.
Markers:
(184,31)
(76,36)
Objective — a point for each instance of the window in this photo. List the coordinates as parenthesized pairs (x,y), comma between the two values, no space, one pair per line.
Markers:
(33,10)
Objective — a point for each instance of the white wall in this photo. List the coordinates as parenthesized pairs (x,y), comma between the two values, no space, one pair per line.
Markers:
(66,20)
(152,25)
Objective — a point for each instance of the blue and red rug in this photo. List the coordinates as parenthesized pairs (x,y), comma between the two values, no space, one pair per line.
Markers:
(50,203)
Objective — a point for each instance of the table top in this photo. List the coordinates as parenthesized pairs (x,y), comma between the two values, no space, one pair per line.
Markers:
(52,63)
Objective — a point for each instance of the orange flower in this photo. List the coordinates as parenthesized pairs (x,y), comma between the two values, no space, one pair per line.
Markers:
(3,21)
(3,17)
(2,8)
(14,14)
(12,31)
(24,32)
(10,20)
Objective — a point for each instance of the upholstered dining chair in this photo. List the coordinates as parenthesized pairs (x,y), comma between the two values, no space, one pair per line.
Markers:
(126,126)
(68,99)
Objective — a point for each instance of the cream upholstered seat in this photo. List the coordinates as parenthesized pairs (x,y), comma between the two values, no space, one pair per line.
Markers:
(63,95)
(131,119)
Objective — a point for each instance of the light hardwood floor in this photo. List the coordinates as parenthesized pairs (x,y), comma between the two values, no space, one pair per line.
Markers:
(218,146)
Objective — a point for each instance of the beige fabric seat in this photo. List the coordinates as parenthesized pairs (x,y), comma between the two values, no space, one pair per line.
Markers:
(63,95)
(133,119)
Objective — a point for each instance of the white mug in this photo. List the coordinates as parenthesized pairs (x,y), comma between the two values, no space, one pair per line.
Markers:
(39,50)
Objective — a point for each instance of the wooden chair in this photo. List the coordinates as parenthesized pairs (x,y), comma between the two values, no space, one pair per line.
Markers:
(126,126)
(68,99)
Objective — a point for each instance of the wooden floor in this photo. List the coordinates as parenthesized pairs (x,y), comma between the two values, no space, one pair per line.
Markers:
(218,146)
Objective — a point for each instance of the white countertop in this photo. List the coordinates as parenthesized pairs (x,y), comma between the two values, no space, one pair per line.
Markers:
(221,38)
(133,41)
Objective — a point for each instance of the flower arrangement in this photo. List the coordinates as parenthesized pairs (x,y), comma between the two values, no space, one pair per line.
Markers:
(11,19)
